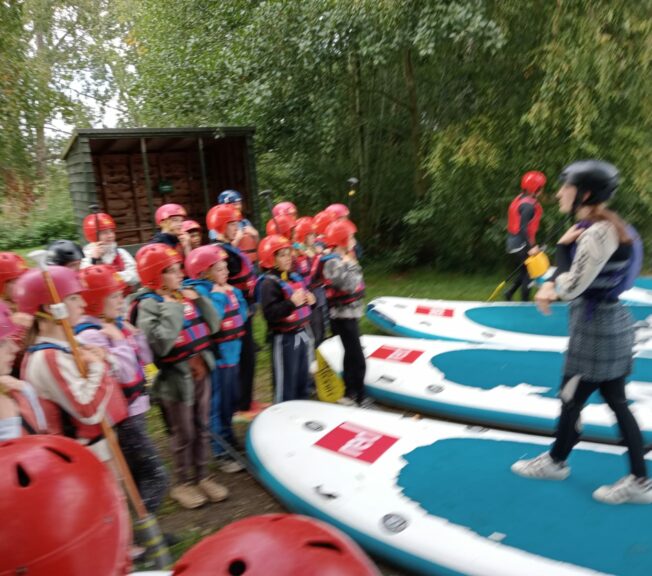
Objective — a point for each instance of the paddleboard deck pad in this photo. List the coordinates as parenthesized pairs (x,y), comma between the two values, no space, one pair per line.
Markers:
(511,325)
(439,498)
(497,387)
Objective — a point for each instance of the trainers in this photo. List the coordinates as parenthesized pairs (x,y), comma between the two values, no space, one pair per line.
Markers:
(367,403)
(188,496)
(230,466)
(215,492)
(346,401)
(628,490)
(543,467)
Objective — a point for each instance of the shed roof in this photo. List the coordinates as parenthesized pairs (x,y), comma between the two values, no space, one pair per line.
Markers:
(124,140)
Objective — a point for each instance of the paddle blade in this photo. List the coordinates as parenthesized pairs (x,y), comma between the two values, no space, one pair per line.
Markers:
(497,291)
(330,387)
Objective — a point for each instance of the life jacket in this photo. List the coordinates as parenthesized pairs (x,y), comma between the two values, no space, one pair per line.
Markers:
(28,418)
(245,280)
(61,422)
(232,326)
(514,216)
(619,272)
(300,317)
(335,296)
(135,387)
(195,334)
(303,264)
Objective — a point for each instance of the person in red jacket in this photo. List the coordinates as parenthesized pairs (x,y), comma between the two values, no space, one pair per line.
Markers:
(523,219)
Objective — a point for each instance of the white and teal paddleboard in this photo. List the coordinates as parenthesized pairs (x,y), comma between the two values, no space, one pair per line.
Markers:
(510,325)
(496,387)
(439,498)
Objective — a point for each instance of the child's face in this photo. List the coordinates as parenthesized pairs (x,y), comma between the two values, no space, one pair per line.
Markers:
(172,277)
(283,260)
(231,230)
(76,306)
(310,239)
(195,238)
(219,273)
(173,225)
(106,236)
(113,305)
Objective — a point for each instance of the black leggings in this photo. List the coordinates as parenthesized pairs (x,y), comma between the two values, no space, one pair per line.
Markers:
(522,279)
(247,366)
(613,392)
(355,365)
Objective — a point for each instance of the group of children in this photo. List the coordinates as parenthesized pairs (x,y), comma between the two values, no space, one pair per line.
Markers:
(191,318)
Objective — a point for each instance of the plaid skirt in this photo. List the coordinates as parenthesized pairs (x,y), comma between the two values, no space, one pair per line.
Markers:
(601,340)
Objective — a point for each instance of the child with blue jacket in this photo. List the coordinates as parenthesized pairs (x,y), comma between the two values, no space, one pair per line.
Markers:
(209,272)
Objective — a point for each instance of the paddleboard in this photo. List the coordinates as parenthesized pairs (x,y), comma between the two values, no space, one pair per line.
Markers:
(505,324)
(513,389)
(439,498)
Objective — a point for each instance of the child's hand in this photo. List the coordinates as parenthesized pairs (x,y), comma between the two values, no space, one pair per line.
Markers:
(298,297)
(190,294)
(22,319)
(310,299)
(11,383)
(112,332)
(92,354)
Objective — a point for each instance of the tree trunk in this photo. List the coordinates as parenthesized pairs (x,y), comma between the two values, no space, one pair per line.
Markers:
(361,145)
(415,124)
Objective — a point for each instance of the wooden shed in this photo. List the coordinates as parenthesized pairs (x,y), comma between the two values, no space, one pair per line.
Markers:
(130,172)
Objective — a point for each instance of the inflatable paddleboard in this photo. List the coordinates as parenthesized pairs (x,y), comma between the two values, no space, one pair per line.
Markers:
(505,324)
(497,387)
(439,498)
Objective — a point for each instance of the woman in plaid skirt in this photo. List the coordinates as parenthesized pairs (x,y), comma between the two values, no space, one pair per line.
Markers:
(597,260)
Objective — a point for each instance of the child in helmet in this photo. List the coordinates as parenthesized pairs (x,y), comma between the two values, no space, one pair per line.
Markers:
(20,410)
(65,253)
(169,218)
(341,275)
(179,325)
(285,208)
(128,353)
(248,237)
(193,229)
(286,306)
(74,404)
(209,275)
(99,230)
(225,220)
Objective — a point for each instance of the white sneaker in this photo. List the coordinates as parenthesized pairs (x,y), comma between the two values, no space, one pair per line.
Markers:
(543,467)
(346,401)
(231,466)
(628,490)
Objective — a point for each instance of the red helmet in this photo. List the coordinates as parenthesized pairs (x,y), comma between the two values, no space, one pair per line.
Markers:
(99,282)
(285,209)
(322,220)
(11,267)
(7,326)
(339,233)
(168,210)
(248,245)
(43,479)
(219,216)
(340,210)
(304,226)
(276,545)
(533,181)
(152,260)
(201,259)
(189,225)
(269,246)
(31,291)
(94,223)
(282,224)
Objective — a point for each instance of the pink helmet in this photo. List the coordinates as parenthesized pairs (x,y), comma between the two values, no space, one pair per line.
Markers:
(201,259)
(7,326)
(189,225)
(285,209)
(340,210)
(31,291)
(167,211)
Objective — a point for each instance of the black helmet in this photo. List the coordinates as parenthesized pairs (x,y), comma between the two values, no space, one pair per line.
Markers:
(597,177)
(63,252)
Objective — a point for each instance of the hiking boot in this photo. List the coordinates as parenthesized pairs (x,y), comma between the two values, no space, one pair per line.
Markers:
(215,492)
(188,496)
(543,467)
(628,490)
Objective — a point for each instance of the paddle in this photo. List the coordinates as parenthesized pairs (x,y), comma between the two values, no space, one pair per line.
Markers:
(146,526)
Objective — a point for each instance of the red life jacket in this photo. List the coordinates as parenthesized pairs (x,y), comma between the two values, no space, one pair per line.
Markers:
(29,421)
(300,317)
(514,216)
(61,422)
(232,326)
(303,264)
(335,296)
(135,387)
(245,280)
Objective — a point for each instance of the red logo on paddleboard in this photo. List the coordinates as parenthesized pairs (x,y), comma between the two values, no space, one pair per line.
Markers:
(357,442)
(404,355)
(436,311)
